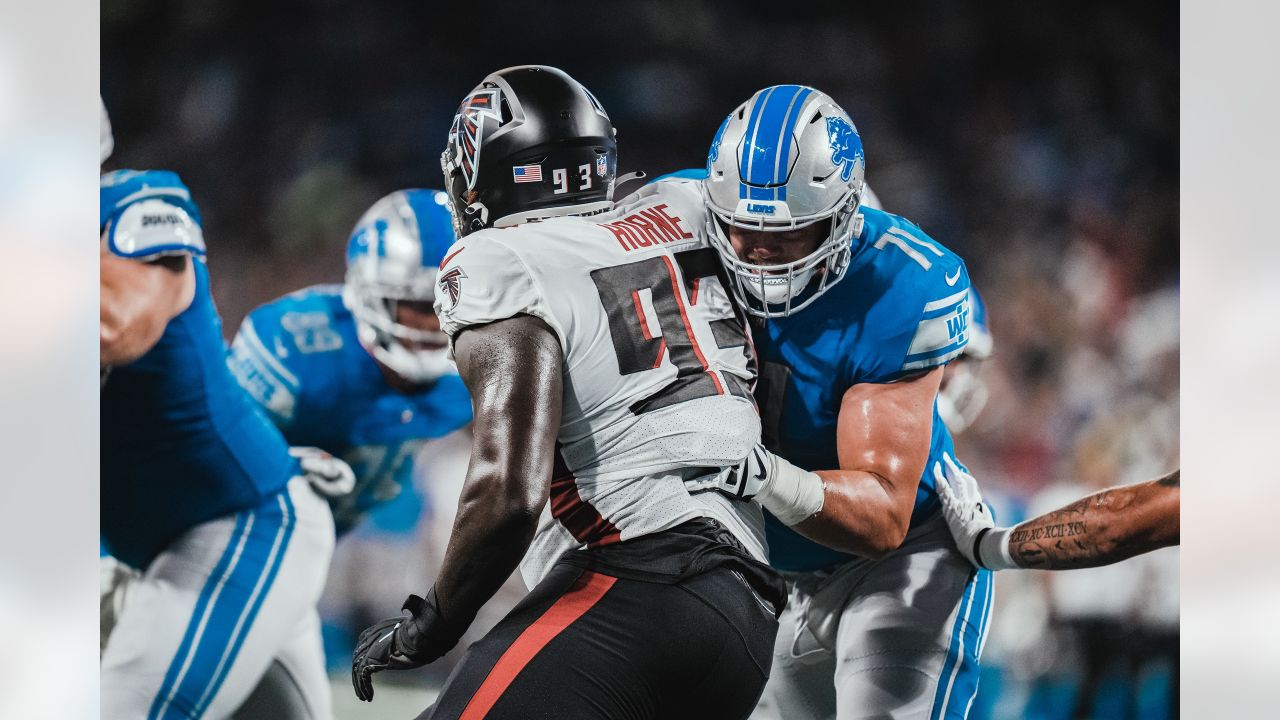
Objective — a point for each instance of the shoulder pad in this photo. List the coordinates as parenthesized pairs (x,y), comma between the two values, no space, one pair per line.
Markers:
(941,334)
(153,228)
(483,280)
(981,343)
(686,174)
(325,295)
(923,318)
(265,365)
(149,214)
(677,196)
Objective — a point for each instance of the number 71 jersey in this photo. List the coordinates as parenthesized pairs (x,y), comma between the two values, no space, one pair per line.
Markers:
(659,366)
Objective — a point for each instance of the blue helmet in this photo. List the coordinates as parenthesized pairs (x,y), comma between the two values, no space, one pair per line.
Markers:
(963,393)
(394,255)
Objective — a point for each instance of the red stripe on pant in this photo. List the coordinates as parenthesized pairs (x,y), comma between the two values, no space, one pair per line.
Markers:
(584,594)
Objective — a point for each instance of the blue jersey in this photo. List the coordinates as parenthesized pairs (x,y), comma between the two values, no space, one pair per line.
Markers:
(901,308)
(182,443)
(300,357)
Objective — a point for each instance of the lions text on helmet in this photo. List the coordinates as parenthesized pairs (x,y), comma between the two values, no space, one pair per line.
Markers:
(784,183)
(393,266)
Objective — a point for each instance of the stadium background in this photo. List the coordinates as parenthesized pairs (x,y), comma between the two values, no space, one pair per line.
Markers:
(1038,140)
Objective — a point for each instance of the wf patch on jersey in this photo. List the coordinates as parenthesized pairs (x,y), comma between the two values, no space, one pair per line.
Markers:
(942,332)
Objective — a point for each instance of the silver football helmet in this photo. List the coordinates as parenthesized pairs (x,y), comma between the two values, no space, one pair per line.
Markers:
(786,159)
(394,255)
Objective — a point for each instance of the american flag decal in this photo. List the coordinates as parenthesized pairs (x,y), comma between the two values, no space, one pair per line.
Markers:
(527,173)
(467,131)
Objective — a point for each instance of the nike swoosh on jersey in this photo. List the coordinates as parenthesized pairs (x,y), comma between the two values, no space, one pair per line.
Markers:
(951,279)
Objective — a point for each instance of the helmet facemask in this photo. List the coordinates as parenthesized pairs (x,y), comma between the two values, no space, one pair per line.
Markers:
(768,291)
(393,257)
(375,311)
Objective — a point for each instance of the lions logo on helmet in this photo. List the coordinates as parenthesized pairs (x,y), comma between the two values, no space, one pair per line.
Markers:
(394,256)
(774,167)
(846,147)
(714,153)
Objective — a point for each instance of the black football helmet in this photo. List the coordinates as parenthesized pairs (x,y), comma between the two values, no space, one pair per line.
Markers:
(529,142)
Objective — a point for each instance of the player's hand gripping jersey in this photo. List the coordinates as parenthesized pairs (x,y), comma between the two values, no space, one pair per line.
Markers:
(658,365)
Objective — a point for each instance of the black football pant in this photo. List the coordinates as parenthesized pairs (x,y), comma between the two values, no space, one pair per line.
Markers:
(585,645)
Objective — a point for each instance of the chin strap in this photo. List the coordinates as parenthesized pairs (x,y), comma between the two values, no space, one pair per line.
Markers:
(480,222)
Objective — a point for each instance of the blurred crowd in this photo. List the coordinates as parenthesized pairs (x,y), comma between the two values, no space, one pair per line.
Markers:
(1038,140)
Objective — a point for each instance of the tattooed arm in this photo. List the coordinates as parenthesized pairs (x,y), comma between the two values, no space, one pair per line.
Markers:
(1103,528)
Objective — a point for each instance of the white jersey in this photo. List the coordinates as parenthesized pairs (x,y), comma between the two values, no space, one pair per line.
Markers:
(658,363)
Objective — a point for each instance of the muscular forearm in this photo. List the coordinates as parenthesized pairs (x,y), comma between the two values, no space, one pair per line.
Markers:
(1103,528)
(490,536)
(865,506)
(512,369)
(860,514)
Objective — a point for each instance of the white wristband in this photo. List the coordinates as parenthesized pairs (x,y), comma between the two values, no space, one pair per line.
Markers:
(790,493)
(993,550)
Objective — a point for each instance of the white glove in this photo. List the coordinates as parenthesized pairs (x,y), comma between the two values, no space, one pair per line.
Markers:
(969,518)
(783,489)
(330,476)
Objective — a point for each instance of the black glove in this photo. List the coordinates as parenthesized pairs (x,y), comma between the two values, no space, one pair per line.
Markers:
(416,638)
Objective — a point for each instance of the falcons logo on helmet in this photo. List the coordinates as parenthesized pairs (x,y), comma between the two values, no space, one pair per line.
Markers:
(467,131)
(451,282)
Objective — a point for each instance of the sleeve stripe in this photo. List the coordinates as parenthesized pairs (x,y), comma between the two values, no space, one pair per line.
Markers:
(259,350)
(943,311)
(953,347)
(147,192)
(912,238)
(947,301)
(932,359)
(154,251)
